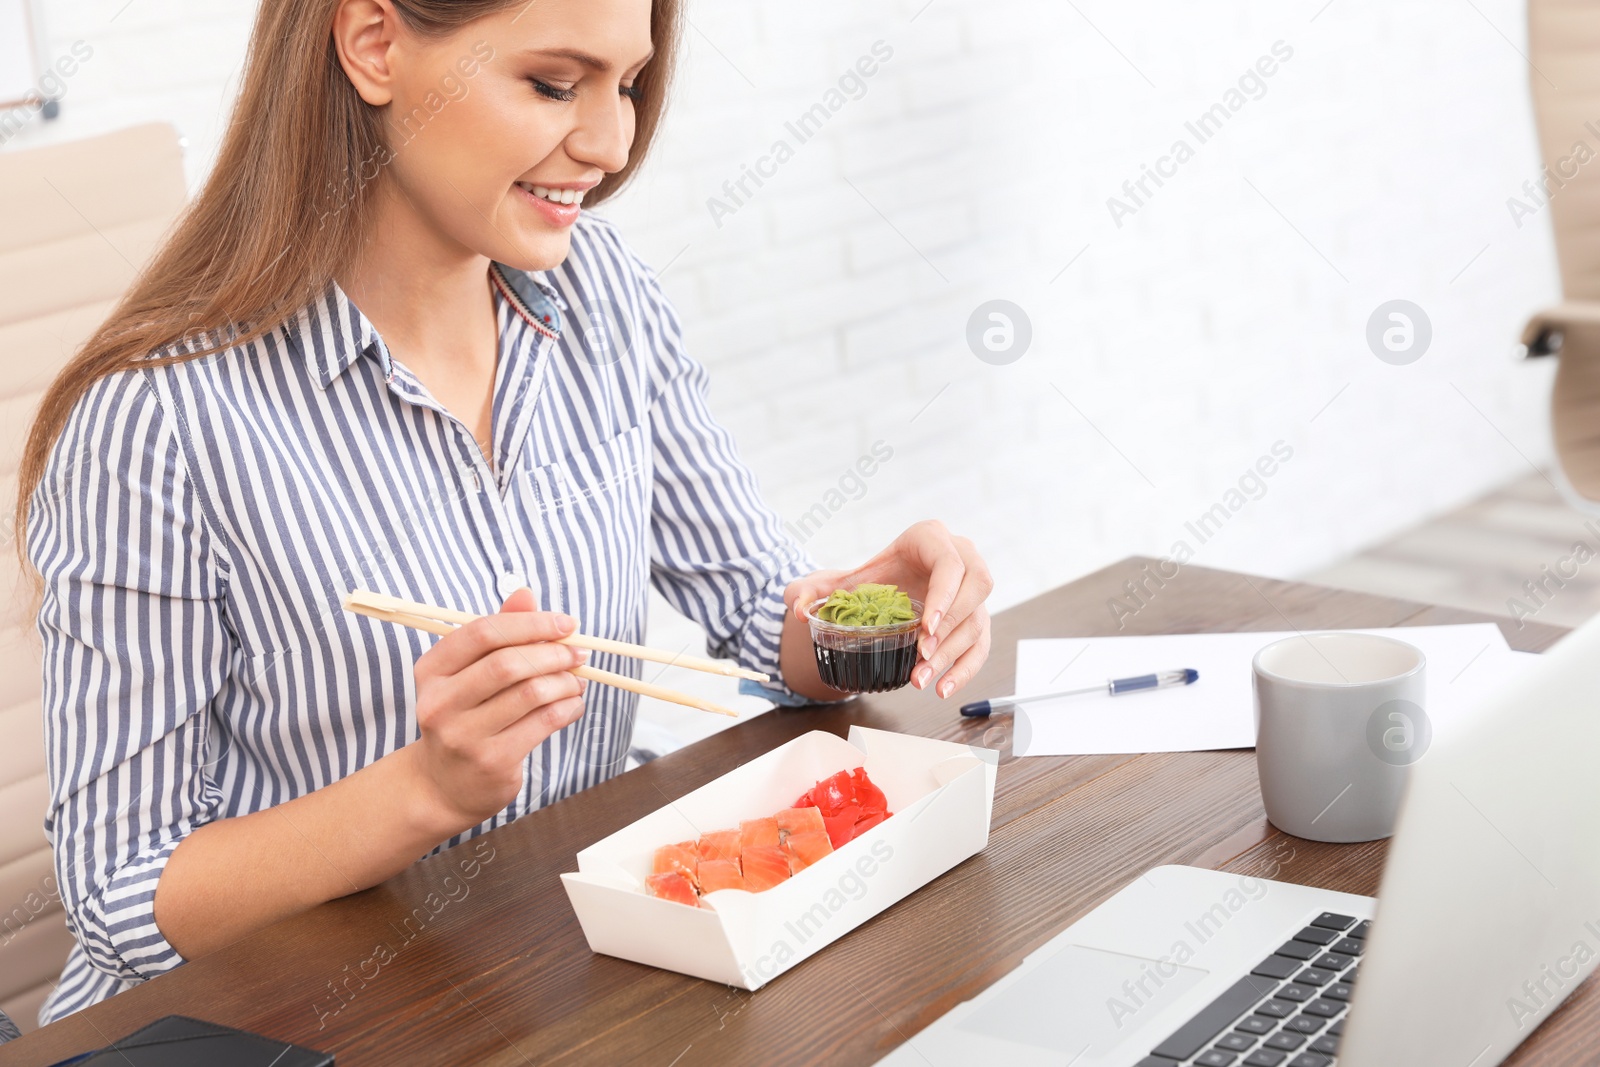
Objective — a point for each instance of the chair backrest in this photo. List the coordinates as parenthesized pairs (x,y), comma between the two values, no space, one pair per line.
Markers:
(77,221)
(1564,72)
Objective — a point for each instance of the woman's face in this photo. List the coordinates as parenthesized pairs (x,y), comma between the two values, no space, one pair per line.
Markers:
(491,125)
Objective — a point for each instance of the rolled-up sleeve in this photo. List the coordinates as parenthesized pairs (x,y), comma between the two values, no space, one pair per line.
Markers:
(135,647)
(719,554)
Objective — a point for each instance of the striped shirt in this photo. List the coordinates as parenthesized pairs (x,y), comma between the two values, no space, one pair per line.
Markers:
(198,523)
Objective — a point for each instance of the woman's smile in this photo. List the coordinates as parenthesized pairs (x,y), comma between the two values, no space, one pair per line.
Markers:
(559,205)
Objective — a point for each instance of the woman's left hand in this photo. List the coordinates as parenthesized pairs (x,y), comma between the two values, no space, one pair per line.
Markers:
(943,571)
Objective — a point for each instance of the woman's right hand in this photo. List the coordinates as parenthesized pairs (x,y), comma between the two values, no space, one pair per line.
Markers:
(489,693)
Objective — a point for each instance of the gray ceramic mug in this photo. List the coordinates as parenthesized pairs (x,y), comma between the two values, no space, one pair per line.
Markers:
(1339,721)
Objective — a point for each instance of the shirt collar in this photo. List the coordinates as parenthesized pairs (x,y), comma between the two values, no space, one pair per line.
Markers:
(533,298)
(332,333)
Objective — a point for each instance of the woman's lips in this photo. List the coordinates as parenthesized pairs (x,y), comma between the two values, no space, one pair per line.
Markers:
(558,215)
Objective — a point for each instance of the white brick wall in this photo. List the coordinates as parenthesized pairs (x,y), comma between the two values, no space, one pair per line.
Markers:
(1190,339)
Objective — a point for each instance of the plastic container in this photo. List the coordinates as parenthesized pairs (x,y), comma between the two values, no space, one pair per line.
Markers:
(864,659)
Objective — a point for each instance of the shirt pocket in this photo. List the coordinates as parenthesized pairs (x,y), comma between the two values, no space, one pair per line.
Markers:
(594,505)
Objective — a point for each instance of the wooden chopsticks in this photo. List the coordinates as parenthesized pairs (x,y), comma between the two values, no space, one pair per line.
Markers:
(437,620)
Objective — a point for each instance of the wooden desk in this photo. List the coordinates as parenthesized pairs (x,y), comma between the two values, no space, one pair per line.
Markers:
(501,975)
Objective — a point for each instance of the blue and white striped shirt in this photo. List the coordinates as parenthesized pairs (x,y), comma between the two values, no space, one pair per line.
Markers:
(198,523)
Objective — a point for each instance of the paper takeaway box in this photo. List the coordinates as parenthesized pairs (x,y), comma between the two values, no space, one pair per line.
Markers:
(941,794)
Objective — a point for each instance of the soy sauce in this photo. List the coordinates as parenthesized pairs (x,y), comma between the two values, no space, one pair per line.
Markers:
(876,671)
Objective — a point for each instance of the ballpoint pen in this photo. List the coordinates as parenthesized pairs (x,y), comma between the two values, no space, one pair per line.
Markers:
(1113,687)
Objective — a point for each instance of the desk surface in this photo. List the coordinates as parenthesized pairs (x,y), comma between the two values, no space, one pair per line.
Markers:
(502,975)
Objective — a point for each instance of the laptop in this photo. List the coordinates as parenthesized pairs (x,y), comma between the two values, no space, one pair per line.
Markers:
(1487,916)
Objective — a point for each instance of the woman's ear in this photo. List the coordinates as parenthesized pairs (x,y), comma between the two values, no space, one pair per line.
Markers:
(365,34)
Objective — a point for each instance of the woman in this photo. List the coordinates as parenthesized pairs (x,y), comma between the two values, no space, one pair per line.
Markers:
(387,348)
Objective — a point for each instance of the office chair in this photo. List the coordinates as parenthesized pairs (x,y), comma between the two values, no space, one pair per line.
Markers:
(1564,51)
(76,222)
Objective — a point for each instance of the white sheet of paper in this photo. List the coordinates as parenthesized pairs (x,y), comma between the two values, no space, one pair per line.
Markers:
(1216,712)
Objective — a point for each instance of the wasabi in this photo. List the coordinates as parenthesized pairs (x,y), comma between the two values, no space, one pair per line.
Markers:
(868,604)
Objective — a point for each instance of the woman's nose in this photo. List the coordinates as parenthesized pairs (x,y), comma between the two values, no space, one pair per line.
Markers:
(604,134)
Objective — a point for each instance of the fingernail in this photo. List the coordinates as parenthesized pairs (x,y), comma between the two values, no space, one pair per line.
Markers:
(924,675)
(927,646)
(566,624)
(945,687)
(583,683)
(581,655)
(933,622)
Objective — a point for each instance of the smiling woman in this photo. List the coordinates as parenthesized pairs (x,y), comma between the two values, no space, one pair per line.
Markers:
(352,363)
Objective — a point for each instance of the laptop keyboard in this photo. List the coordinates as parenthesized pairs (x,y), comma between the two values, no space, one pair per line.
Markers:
(1287,1012)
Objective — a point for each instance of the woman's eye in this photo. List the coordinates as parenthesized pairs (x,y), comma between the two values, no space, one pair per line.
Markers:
(552,93)
(631,92)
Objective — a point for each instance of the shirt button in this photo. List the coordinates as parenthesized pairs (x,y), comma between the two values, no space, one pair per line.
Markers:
(509,583)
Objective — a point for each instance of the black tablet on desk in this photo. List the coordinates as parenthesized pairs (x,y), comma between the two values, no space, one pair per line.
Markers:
(178,1041)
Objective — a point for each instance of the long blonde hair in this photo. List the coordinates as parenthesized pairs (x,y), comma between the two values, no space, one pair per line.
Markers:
(284,209)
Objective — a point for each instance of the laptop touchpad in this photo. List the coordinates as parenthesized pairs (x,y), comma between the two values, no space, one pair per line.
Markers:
(1081,1000)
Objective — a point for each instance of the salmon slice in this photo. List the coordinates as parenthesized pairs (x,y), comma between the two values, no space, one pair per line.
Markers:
(682,857)
(764,867)
(719,845)
(806,848)
(793,821)
(672,885)
(720,874)
(758,833)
